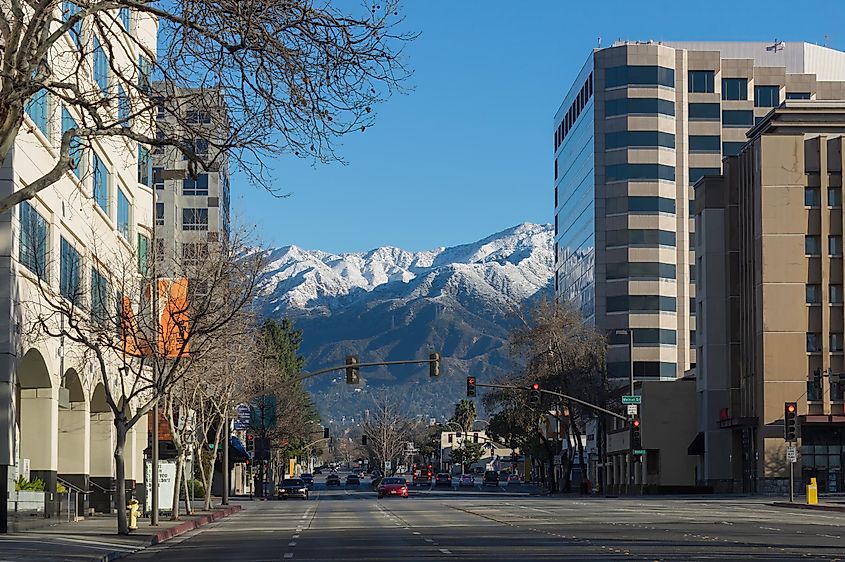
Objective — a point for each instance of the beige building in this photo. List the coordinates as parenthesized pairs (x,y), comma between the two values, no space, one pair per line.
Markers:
(642,122)
(770,303)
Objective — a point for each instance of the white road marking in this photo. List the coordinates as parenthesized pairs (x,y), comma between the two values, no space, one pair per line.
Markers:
(445,551)
(295,537)
(288,555)
(292,543)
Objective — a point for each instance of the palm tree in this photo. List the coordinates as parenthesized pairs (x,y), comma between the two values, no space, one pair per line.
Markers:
(464,414)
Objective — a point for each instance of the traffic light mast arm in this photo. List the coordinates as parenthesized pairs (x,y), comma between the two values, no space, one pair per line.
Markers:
(303,376)
(578,400)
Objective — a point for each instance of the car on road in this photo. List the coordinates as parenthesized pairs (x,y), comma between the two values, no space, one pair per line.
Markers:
(308,478)
(333,480)
(491,478)
(353,480)
(504,475)
(443,479)
(514,479)
(293,488)
(466,480)
(393,486)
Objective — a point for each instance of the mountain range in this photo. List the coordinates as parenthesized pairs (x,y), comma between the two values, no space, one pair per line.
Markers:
(390,304)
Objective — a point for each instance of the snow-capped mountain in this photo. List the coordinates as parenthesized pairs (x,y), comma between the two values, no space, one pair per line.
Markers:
(390,304)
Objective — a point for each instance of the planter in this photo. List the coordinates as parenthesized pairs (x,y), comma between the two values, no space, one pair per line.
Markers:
(27,501)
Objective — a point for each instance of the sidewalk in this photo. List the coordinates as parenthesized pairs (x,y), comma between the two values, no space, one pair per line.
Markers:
(95,539)
(823,505)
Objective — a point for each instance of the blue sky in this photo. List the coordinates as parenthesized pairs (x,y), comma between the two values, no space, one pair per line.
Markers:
(469,152)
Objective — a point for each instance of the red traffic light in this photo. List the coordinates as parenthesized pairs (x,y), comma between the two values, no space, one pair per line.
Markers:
(250,437)
(790,408)
(535,386)
(636,423)
(471,380)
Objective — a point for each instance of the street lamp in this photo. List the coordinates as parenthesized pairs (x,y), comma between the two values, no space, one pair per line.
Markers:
(630,333)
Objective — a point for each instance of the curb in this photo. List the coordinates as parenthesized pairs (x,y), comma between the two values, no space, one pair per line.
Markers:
(176,530)
(816,507)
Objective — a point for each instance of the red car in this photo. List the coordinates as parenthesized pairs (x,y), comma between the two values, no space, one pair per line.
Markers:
(393,487)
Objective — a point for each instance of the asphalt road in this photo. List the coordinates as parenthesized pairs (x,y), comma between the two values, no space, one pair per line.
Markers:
(344,524)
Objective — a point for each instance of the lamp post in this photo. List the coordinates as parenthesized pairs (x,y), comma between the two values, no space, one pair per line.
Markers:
(630,333)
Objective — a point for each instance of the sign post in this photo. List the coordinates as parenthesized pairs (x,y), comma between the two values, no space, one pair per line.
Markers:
(791,458)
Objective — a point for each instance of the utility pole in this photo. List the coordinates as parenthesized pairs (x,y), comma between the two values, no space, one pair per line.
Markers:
(226,440)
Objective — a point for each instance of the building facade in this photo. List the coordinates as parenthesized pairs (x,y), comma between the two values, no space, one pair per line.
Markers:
(641,123)
(771,303)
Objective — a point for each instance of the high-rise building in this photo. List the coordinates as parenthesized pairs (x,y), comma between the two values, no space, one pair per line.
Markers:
(770,298)
(641,123)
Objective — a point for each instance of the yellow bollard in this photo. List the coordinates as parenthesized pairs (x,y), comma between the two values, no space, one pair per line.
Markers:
(812,492)
(134,510)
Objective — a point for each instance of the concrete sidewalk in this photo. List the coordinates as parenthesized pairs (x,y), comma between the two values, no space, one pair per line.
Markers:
(95,539)
(821,506)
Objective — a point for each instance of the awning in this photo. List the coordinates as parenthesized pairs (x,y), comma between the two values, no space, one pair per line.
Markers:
(697,445)
(237,451)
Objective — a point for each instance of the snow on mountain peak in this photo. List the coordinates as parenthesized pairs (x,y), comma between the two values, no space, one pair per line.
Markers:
(511,265)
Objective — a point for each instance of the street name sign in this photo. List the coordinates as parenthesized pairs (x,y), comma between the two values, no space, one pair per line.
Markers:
(632,399)
(639,451)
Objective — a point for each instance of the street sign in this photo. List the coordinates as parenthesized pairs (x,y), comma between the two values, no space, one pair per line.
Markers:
(632,409)
(791,453)
(632,399)
(242,417)
(639,451)
(387,466)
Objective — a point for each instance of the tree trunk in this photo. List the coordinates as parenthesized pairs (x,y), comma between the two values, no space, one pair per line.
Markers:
(120,475)
(189,508)
(177,485)
(210,473)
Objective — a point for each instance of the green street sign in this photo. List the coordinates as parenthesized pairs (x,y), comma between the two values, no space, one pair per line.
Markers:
(639,451)
(632,399)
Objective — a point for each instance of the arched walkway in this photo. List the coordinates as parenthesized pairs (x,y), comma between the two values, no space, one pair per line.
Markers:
(74,435)
(102,451)
(38,416)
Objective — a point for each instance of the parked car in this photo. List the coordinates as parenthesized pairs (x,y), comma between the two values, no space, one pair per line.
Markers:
(353,480)
(308,479)
(514,479)
(504,475)
(491,478)
(443,479)
(333,480)
(393,486)
(293,488)
(466,480)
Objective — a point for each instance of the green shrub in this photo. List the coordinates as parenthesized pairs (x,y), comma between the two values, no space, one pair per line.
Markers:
(61,488)
(23,485)
(198,489)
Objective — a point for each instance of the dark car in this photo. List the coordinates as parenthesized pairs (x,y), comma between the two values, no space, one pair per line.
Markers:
(333,480)
(293,488)
(308,479)
(491,478)
(353,480)
(443,479)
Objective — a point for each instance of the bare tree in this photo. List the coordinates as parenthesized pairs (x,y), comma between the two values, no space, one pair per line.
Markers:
(387,429)
(142,331)
(294,76)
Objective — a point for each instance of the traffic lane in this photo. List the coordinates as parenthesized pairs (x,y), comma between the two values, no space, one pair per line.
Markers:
(258,533)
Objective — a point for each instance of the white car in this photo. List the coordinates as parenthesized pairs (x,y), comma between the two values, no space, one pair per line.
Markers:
(466,480)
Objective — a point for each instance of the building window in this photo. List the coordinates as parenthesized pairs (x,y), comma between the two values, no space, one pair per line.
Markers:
(143,254)
(639,172)
(193,116)
(158,178)
(640,205)
(75,149)
(738,118)
(812,246)
(622,139)
(197,186)
(69,9)
(449,437)
(701,81)
(639,76)
(834,196)
(732,148)
(646,337)
(639,106)
(124,18)
(38,109)
(101,184)
(122,107)
(696,174)
(797,95)
(692,338)
(641,303)
(123,212)
(704,111)
(159,214)
(640,270)
(834,245)
(101,67)
(32,241)
(814,294)
(812,197)
(70,272)
(835,293)
(640,237)
(692,270)
(734,88)
(704,143)
(836,342)
(99,297)
(766,96)
(194,253)
(145,166)
(194,219)
(814,342)
(144,71)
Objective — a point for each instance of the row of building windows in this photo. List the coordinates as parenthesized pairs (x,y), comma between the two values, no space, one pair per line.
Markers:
(641,303)
(704,143)
(814,342)
(704,81)
(617,76)
(642,369)
(192,218)
(814,294)
(639,106)
(645,337)
(574,111)
(639,172)
(813,197)
(639,204)
(647,139)
(812,245)
(640,270)
(696,174)
(640,237)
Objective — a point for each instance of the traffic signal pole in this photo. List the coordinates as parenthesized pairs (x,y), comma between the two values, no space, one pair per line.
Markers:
(558,394)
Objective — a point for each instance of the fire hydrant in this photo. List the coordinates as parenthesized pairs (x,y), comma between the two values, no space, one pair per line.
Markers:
(133,511)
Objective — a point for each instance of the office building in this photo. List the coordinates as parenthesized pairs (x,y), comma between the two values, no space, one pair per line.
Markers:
(641,123)
(770,302)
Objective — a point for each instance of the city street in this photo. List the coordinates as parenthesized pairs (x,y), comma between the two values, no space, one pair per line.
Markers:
(344,524)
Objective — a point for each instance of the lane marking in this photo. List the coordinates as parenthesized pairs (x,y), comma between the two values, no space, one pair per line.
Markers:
(445,551)
(292,543)
(288,555)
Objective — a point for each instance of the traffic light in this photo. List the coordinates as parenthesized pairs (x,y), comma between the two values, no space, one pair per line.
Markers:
(790,421)
(250,443)
(434,364)
(352,374)
(325,433)
(364,440)
(636,435)
(470,386)
(534,397)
